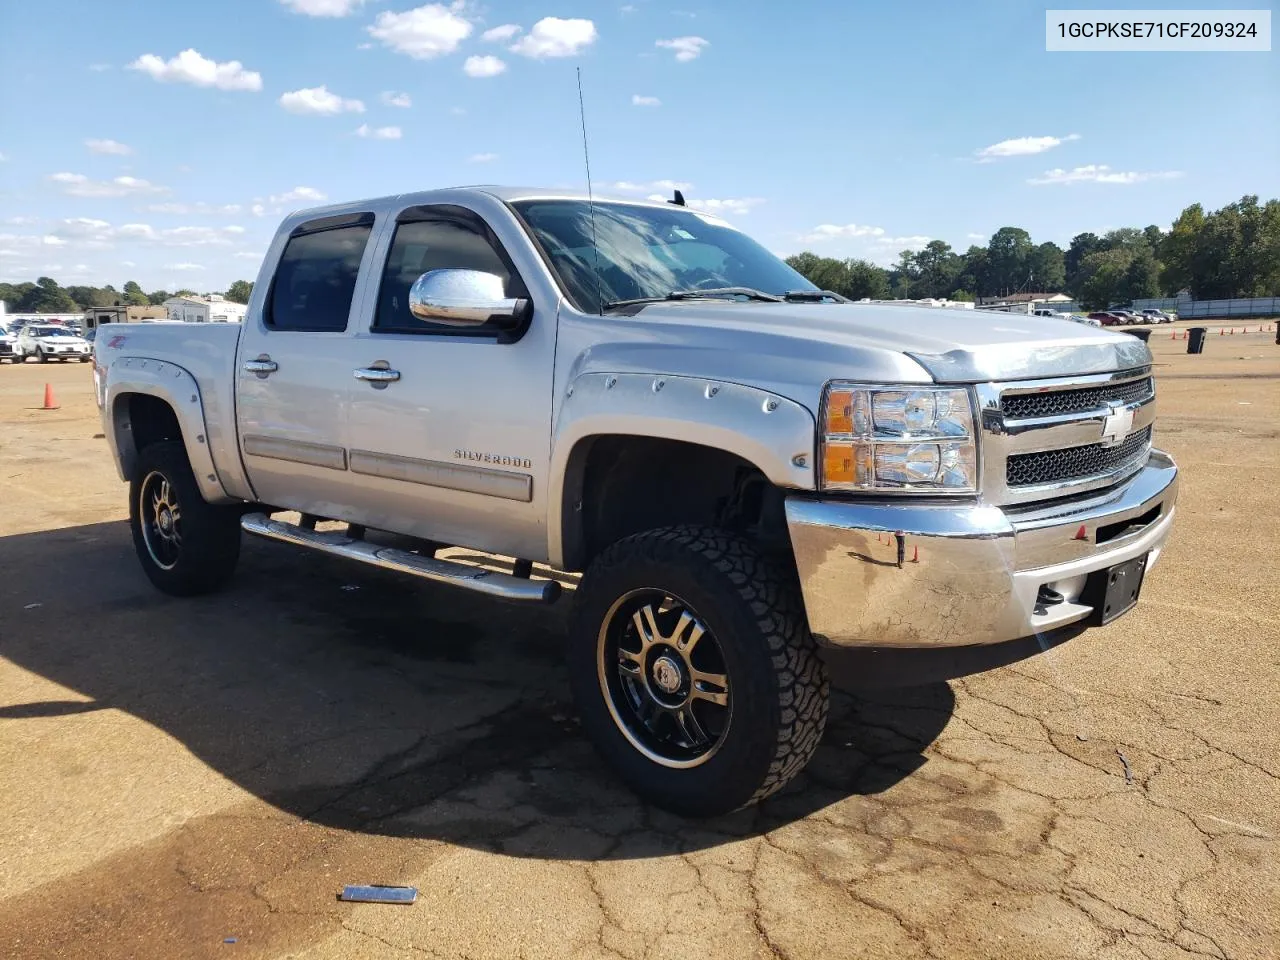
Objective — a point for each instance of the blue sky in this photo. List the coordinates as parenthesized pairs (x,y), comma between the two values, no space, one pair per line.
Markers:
(850,128)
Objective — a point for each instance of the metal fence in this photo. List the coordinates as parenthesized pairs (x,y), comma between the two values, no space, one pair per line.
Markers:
(1244,307)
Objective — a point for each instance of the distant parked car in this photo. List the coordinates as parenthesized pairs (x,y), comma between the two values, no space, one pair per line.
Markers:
(48,341)
(1088,321)
(1107,319)
(1052,315)
(1158,316)
(7,341)
(1127,316)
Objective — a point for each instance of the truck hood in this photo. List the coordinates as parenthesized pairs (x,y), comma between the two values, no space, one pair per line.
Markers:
(953,346)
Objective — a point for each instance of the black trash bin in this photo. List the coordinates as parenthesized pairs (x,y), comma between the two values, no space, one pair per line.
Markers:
(1195,342)
(1143,335)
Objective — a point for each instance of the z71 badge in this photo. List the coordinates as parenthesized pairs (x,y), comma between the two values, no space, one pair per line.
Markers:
(498,461)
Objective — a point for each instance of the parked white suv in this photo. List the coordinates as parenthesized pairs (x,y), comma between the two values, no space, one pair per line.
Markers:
(46,341)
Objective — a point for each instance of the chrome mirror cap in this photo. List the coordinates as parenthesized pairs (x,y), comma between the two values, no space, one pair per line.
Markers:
(464,298)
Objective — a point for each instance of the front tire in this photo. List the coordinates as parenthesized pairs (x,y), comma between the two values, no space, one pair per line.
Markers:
(186,545)
(41,356)
(694,670)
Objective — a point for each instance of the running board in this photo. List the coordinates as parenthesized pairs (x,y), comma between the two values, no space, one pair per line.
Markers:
(489,582)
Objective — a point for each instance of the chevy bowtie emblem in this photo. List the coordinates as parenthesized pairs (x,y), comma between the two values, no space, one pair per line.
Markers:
(1117,425)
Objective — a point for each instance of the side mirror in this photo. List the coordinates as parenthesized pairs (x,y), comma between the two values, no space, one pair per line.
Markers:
(465,298)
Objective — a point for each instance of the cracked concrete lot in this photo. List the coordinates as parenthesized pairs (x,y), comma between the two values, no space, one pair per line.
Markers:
(181,773)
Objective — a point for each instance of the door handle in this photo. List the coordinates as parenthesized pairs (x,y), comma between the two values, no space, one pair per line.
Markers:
(378,376)
(263,367)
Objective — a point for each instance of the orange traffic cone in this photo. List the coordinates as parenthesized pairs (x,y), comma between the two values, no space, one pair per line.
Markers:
(1222,332)
(50,403)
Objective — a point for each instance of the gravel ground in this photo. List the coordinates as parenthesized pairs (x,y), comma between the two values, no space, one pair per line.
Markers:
(180,773)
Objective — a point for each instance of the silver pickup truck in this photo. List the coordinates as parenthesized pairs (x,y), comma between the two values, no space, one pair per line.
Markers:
(757,480)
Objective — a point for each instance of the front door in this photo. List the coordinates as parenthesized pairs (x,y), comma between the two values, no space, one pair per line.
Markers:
(456,447)
(294,370)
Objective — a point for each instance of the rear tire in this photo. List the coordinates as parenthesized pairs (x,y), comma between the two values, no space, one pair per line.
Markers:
(692,622)
(186,545)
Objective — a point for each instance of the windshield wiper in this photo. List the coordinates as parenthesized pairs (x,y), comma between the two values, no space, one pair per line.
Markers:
(814,296)
(749,293)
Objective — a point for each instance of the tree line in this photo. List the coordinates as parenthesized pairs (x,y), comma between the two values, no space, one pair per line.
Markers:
(47,296)
(1231,252)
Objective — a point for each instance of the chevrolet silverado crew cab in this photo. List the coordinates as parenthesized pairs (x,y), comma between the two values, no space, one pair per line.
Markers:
(754,478)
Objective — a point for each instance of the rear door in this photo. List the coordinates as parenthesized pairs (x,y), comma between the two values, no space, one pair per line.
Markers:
(294,370)
(456,449)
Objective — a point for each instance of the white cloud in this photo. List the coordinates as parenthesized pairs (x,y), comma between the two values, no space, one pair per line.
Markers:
(739,206)
(976,236)
(483,157)
(685,48)
(99,234)
(458,111)
(914,242)
(379,133)
(628,8)
(393,99)
(554,37)
(638,101)
(108,147)
(183,267)
(20,221)
(1101,173)
(99,67)
(500,34)
(186,209)
(3,158)
(258,210)
(324,8)
(318,101)
(78,185)
(483,67)
(1021,147)
(127,263)
(423,33)
(299,193)
(247,255)
(648,186)
(190,67)
(832,231)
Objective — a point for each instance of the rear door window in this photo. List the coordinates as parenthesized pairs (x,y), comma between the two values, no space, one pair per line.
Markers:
(316,278)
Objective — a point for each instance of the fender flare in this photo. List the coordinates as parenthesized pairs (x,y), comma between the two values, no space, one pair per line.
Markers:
(176,387)
(773,433)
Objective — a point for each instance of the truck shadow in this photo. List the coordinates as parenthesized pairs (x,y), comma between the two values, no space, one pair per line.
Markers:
(365,701)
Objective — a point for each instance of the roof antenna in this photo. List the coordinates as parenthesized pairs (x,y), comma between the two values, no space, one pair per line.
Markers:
(591,200)
(679,200)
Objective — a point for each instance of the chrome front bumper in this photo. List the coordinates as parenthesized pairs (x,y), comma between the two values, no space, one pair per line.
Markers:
(878,574)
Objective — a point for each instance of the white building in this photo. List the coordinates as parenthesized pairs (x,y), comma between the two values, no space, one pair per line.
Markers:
(211,309)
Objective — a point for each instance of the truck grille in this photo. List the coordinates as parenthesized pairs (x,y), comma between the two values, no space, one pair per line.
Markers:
(1026,406)
(1076,463)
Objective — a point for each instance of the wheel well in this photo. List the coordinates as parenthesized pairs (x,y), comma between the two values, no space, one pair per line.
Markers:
(619,485)
(141,420)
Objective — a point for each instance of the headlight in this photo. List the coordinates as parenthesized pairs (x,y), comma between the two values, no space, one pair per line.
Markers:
(896,438)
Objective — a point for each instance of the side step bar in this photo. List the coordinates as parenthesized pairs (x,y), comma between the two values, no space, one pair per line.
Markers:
(500,585)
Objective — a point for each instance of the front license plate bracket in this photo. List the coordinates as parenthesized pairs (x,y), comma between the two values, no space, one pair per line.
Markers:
(1115,590)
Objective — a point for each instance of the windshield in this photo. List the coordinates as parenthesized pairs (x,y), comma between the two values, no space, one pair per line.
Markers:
(649,252)
(51,332)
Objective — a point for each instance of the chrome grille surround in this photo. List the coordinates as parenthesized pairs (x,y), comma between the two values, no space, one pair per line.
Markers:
(1006,438)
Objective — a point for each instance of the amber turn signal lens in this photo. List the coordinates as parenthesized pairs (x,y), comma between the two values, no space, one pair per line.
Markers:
(837,462)
(840,411)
